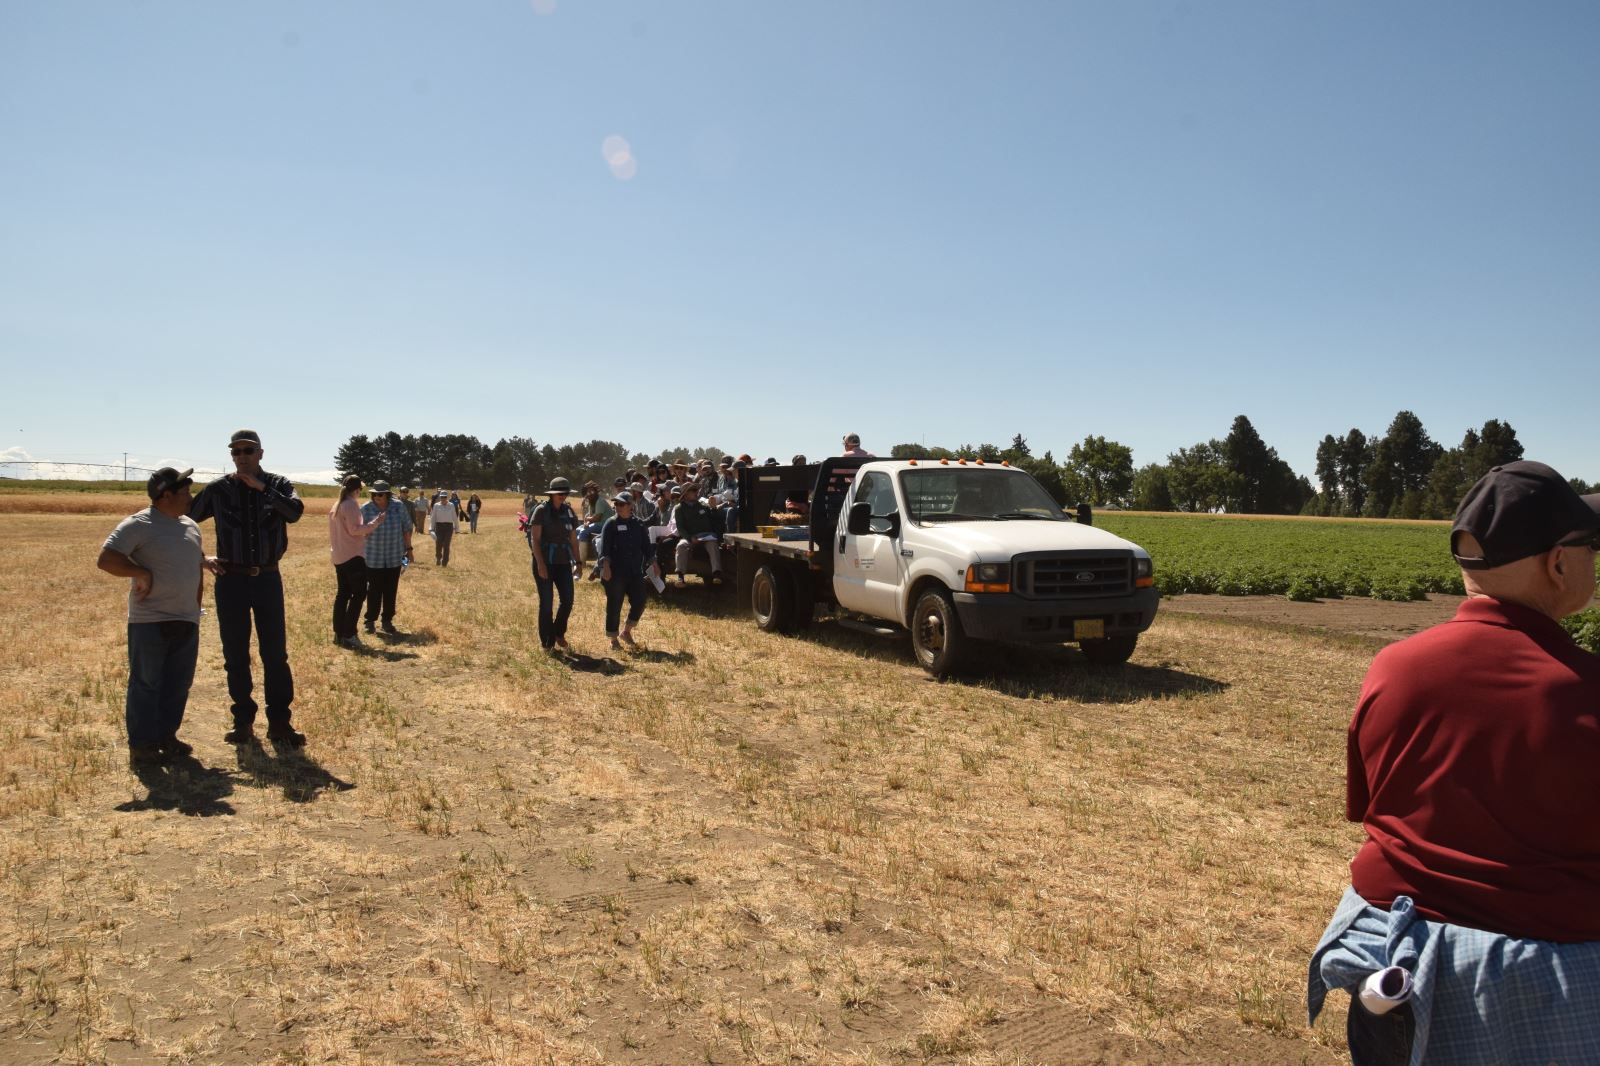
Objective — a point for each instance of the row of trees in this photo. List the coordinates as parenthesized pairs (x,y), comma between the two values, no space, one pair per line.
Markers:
(1403,473)
(517,464)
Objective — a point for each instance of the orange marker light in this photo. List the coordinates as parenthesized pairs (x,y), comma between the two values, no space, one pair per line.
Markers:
(913,462)
(1005,462)
(944,462)
(980,462)
(963,462)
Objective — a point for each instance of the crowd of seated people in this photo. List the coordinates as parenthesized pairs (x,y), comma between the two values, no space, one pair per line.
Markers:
(687,506)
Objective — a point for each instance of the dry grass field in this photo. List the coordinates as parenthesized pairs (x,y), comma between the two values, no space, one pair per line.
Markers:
(725,848)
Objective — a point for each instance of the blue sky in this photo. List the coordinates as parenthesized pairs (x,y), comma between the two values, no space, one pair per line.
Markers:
(940,221)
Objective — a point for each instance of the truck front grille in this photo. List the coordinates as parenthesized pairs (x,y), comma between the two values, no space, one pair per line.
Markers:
(1074,575)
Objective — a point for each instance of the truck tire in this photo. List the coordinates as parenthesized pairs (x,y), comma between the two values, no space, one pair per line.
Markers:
(1110,651)
(772,599)
(940,644)
(805,604)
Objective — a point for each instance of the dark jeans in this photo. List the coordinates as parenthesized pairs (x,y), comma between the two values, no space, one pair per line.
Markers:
(472,521)
(240,596)
(442,532)
(352,575)
(1380,1039)
(161,658)
(552,620)
(383,585)
(619,586)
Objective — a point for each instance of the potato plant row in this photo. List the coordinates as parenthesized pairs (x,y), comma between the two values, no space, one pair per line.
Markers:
(1304,559)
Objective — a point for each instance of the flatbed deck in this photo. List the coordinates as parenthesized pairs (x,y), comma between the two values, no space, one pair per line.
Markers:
(789,549)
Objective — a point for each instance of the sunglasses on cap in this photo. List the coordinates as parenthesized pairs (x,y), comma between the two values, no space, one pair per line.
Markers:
(1588,540)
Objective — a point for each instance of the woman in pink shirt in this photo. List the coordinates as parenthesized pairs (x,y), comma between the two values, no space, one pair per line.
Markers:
(346,531)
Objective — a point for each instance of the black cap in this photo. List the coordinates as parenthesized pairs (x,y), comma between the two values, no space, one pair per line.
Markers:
(622,497)
(245,436)
(1521,509)
(167,479)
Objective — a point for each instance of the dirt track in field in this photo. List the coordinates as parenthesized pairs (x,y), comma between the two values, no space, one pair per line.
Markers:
(1377,620)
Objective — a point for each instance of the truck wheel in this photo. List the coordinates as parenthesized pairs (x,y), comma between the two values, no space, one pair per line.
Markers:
(938,640)
(772,600)
(1110,651)
(805,605)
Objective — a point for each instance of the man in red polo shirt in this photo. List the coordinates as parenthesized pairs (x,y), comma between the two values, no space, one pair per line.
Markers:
(1474,766)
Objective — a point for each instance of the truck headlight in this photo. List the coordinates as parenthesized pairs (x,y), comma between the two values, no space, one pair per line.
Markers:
(1144,573)
(989,577)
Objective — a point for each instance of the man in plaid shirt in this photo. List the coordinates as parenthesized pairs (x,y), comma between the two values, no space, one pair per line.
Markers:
(388,546)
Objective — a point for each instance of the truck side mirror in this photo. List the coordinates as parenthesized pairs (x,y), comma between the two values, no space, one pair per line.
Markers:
(1085,515)
(859,522)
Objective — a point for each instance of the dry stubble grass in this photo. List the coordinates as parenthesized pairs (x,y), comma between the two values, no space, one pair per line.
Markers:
(729,847)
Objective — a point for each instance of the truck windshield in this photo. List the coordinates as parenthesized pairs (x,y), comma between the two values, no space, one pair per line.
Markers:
(966,494)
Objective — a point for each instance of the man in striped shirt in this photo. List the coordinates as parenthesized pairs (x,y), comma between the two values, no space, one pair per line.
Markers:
(253,510)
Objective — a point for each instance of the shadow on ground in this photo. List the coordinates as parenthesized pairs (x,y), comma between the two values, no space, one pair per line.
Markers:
(300,776)
(184,785)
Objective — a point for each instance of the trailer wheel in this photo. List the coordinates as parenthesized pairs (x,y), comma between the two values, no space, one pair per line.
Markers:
(1110,651)
(772,600)
(940,644)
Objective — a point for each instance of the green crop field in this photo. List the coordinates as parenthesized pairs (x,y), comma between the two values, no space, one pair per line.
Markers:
(1301,559)
(1304,559)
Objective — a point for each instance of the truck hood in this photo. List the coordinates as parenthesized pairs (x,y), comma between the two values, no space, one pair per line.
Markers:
(998,541)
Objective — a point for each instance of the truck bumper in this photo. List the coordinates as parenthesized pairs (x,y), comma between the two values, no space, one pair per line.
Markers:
(1003,616)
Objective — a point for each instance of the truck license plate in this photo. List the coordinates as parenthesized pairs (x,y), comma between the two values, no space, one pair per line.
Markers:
(1088,628)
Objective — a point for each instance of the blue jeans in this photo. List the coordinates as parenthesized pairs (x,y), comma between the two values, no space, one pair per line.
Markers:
(239,597)
(553,620)
(161,658)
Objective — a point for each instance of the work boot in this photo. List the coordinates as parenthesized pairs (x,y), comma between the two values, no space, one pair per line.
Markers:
(286,736)
(241,733)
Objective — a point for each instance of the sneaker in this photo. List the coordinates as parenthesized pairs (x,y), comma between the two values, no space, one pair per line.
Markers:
(716,577)
(286,737)
(352,642)
(681,582)
(388,627)
(175,748)
(627,638)
(370,626)
(240,734)
(561,642)
(616,645)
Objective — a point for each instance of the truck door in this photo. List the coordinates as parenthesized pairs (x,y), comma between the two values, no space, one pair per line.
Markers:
(867,571)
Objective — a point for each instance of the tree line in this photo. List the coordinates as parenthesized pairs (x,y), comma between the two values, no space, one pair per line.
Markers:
(516,464)
(1402,473)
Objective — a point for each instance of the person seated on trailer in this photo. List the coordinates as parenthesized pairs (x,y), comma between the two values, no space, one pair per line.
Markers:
(696,525)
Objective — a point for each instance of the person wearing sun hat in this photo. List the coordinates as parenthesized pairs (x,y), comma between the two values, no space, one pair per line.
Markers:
(625,556)
(1471,929)
(553,542)
(387,550)
(253,511)
(159,550)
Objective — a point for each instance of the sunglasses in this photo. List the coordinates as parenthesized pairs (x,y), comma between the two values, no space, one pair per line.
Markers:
(241,451)
(1590,541)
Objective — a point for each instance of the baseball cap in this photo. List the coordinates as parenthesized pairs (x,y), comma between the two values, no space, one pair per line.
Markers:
(1520,509)
(245,436)
(622,497)
(167,479)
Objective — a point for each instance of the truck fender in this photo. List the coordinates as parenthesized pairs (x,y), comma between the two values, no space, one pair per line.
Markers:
(915,587)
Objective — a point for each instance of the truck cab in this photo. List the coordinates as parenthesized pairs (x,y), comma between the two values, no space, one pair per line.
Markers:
(955,552)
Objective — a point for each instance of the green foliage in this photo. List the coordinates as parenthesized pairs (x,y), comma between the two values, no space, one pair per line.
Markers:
(1303,559)
(1585,629)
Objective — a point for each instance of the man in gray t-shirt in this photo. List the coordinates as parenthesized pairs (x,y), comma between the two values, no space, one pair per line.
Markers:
(159,550)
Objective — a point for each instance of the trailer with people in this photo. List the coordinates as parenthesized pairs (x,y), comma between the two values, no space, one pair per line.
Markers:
(954,552)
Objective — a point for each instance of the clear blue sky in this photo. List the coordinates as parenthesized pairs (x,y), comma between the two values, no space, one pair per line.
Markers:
(919,220)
